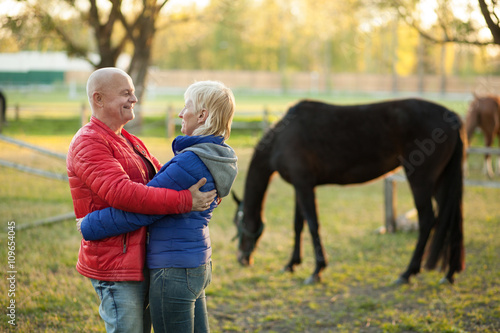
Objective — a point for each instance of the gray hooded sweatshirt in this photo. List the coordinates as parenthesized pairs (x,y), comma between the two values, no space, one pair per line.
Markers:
(220,161)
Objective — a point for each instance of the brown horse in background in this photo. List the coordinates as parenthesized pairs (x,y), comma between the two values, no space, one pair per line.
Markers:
(484,112)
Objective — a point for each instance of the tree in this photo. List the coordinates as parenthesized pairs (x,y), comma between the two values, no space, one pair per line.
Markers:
(463,23)
(141,31)
(113,27)
(457,25)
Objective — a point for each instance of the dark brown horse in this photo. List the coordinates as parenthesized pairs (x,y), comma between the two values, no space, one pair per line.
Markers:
(484,112)
(317,143)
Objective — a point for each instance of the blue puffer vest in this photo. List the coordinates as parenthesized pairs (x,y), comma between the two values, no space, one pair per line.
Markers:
(181,240)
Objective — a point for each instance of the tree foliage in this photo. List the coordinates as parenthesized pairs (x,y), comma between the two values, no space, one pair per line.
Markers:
(326,36)
(473,22)
(273,35)
(117,26)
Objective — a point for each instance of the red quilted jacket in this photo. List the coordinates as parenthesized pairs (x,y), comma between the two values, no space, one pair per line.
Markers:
(105,171)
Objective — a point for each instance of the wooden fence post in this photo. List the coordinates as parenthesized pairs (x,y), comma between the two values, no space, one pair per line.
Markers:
(170,121)
(265,119)
(2,117)
(17,111)
(84,118)
(390,204)
(3,111)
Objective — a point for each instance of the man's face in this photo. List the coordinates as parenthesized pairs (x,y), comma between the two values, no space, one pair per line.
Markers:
(119,100)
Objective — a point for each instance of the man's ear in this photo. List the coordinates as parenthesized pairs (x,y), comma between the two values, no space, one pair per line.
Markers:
(97,98)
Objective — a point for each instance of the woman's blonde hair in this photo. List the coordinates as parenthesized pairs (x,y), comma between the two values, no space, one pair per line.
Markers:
(218,100)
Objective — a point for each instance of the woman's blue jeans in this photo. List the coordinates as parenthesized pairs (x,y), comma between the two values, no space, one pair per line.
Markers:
(177,299)
(124,305)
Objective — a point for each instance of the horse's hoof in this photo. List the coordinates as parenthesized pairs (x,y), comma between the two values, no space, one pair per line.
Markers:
(313,279)
(445,281)
(287,269)
(401,281)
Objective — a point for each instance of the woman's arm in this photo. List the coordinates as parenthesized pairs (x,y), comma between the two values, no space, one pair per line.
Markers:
(110,222)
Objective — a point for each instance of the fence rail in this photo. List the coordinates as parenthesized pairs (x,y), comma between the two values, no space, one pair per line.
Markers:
(483,150)
(170,119)
(34,171)
(171,122)
(33,147)
(48,220)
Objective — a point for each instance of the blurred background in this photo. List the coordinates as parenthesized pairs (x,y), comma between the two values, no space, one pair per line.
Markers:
(271,53)
(277,46)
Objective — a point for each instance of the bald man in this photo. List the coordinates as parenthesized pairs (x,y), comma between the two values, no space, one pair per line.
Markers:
(109,167)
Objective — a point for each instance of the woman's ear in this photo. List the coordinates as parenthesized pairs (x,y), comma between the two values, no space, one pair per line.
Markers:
(202,117)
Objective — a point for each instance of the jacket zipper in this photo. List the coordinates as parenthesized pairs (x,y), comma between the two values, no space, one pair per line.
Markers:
(142,153)
(145,158)
(125,243)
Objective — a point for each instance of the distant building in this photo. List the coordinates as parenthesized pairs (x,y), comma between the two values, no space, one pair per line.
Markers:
(31,67)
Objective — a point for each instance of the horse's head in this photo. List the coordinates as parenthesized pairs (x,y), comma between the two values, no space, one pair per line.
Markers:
(248,232)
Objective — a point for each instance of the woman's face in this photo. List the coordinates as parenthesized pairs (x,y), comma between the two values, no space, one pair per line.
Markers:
(190,120)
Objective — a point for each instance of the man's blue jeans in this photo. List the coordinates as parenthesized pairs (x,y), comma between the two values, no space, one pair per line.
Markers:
(124,305)
(177,299)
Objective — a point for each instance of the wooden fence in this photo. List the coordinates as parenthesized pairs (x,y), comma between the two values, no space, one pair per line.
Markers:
(171,121)
(319,81)
(38,172)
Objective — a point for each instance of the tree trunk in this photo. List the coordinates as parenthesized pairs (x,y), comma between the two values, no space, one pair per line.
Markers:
(142,37)
(138,72)
(103,33)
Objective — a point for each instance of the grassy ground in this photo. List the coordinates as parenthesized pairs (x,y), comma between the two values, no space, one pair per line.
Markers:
(356,293)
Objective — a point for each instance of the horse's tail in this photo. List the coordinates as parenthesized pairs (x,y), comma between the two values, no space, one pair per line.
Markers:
(447,241)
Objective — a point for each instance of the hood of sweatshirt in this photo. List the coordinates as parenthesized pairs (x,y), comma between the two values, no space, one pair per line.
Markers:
(219,158)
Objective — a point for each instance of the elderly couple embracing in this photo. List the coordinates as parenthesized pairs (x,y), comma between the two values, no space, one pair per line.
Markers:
(146,243)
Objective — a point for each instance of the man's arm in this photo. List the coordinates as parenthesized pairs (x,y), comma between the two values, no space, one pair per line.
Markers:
(201,200)
(110,221)
(92,227)
(95,165)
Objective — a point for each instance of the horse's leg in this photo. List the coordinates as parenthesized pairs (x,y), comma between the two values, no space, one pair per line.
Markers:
(307,204)
(488,140)
(297,248)
(498,157)
(488,165)
(426,220)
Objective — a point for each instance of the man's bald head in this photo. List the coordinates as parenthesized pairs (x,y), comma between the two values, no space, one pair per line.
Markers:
(102,79)
(111,96)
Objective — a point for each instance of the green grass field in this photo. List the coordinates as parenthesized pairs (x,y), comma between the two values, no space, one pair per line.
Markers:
(355,295)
